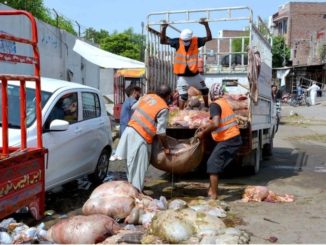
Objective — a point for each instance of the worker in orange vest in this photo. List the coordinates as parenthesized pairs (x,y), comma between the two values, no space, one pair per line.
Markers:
(149,118)
(186,61)
(225,132)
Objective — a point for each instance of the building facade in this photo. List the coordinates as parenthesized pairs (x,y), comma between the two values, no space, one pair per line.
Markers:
(303,25)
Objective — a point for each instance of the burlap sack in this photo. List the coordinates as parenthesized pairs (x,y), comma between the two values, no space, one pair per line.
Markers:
(185,155)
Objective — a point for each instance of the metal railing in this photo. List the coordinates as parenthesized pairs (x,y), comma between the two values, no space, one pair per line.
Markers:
(18,59)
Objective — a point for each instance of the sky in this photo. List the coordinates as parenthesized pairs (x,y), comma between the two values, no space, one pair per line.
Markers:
(119,15)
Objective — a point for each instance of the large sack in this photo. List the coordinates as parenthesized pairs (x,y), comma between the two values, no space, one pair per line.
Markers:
(115,199)
(120,188)
(83,229)
(117,207)
(204,223)
(176,226)
(185,155)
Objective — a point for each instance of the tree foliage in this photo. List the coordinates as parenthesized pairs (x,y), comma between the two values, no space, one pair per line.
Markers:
(127,43)
(237,44)
(37,8)
(95,36)
(281,53)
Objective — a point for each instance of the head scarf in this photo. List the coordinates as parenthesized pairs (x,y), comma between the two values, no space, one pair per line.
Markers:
(216,91)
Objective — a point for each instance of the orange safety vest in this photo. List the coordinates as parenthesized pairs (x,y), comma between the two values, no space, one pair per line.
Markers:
(228,126)
(184,59)
(143,120)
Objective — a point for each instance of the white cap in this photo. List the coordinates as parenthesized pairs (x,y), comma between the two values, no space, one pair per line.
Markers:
(186,34)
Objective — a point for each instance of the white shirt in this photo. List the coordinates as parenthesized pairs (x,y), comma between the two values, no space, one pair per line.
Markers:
(313,88)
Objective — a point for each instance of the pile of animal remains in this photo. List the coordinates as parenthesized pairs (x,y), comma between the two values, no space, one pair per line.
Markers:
(117,213)
(262,193)
(196,115)
(145,220)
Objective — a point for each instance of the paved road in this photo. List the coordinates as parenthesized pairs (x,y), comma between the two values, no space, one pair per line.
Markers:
(298,167)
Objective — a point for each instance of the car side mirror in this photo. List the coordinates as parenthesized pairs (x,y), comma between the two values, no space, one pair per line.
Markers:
(59,125)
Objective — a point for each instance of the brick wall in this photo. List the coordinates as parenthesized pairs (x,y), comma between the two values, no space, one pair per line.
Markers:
(304,21)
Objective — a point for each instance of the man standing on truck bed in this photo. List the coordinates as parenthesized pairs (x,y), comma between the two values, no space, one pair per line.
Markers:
(225,131)
(186,61)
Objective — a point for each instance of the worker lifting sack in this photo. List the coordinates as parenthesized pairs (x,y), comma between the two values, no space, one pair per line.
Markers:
(186,155)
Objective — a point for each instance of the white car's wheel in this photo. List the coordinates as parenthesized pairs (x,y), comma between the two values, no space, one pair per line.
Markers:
(102,167)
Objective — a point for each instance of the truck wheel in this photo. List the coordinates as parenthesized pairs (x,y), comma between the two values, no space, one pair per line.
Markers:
(268,149)
(101,168)
(256,156)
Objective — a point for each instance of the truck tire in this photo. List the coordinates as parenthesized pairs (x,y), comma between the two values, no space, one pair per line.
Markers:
(101,168)
(268,149)
(256,157)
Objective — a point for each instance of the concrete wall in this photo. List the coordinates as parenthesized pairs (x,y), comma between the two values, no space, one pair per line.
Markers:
(58,60)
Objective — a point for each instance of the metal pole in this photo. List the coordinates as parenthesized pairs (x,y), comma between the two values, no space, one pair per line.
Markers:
(57,17)
(78,28)
(142,42)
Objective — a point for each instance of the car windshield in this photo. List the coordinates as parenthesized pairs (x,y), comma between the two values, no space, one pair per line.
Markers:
(14,107)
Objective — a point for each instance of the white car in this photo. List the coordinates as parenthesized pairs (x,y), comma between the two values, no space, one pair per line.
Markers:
(76,129)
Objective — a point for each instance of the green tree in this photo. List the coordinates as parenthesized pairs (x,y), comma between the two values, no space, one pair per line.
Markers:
(38,10)
(127,43)
(36,7)
(281,53)
(237,44)
(95,36)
